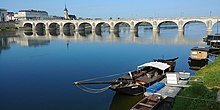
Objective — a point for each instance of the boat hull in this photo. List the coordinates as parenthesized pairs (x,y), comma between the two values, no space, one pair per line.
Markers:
(134,89)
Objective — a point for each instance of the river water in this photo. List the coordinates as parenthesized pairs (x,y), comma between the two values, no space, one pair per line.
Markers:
(36,72)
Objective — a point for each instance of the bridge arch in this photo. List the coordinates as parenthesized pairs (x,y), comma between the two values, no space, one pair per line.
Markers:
(122,26)
(54,25)
(101,25)
(216,27)
(69,26)
(192,26)
(28,26)
(194,21)
(40,29)
(40,26)
(85,26)
(139,25)
(167,25)
(68,29)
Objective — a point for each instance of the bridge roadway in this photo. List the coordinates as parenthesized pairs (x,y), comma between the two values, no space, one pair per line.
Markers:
(114,24)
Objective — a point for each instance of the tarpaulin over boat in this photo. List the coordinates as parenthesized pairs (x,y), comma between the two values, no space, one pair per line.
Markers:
(159,65)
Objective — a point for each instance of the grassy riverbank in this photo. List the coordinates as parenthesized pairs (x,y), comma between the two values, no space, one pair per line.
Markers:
(201,96)
(7,28)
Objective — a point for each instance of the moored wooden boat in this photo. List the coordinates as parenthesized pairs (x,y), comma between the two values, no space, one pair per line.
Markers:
(148,103)
(135,82)
(145,75)
(199,53)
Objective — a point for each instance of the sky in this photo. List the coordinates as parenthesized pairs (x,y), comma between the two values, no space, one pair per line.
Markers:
(119,8)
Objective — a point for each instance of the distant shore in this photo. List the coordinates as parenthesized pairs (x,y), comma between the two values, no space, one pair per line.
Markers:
(8,26)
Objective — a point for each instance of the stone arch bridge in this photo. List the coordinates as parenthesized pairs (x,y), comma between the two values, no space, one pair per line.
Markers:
(114,24)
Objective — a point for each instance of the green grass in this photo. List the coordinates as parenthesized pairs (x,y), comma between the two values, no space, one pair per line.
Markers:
(7,28)
(211,74)
(198,96)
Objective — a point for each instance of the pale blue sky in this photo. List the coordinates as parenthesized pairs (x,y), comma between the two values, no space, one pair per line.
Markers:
(119,8)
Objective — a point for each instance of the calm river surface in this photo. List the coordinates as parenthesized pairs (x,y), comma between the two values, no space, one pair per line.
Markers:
(36,73)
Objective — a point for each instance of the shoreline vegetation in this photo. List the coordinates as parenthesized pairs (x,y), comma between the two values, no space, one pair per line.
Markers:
(8,25)
(201,96)
(7,28)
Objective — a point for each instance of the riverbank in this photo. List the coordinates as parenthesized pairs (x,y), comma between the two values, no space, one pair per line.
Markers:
(10,25)
(201,96)
(7,28)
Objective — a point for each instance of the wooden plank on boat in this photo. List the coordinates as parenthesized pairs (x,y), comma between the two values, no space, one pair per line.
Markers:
(150,106)
(148,103)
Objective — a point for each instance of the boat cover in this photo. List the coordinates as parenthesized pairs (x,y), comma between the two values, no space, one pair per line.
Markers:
(215,41)
(159,65)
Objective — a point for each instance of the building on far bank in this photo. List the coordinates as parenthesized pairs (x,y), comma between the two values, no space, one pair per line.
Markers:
(52,17)
(10,16)
(67,16)
(31,15)
(3,13)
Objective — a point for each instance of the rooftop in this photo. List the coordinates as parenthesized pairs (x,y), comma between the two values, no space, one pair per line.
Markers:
(201,48)
(31,10)
(1,9)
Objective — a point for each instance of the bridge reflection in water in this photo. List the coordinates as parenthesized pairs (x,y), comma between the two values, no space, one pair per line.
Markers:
(125,37)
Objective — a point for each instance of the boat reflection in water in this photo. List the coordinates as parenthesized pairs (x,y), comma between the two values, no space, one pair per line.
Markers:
(124,102)
(197,64)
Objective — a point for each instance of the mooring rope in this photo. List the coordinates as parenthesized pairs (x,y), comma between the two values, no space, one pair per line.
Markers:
(92,90)
(103,77)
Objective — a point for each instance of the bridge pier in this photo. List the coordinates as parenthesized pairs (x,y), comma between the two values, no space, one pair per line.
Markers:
(47,27)
(47,32)
(93,30)
(155,27)
(133,30)
(209,30)
(155,36)
(132,27)
(33,27)
(180,28)
(209,26)
(112,29)
(156,30)
(76,29)
(61,29)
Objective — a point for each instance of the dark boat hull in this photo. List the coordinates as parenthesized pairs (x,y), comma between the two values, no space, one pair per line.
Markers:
(197,64)
(134,89)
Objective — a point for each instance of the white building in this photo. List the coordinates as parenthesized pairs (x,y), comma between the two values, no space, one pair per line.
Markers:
(31,15)
(10,16)
(66,15)
(3,13)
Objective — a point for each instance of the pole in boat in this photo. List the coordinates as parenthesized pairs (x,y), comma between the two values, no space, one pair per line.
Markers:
(95,82)
(217,26)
